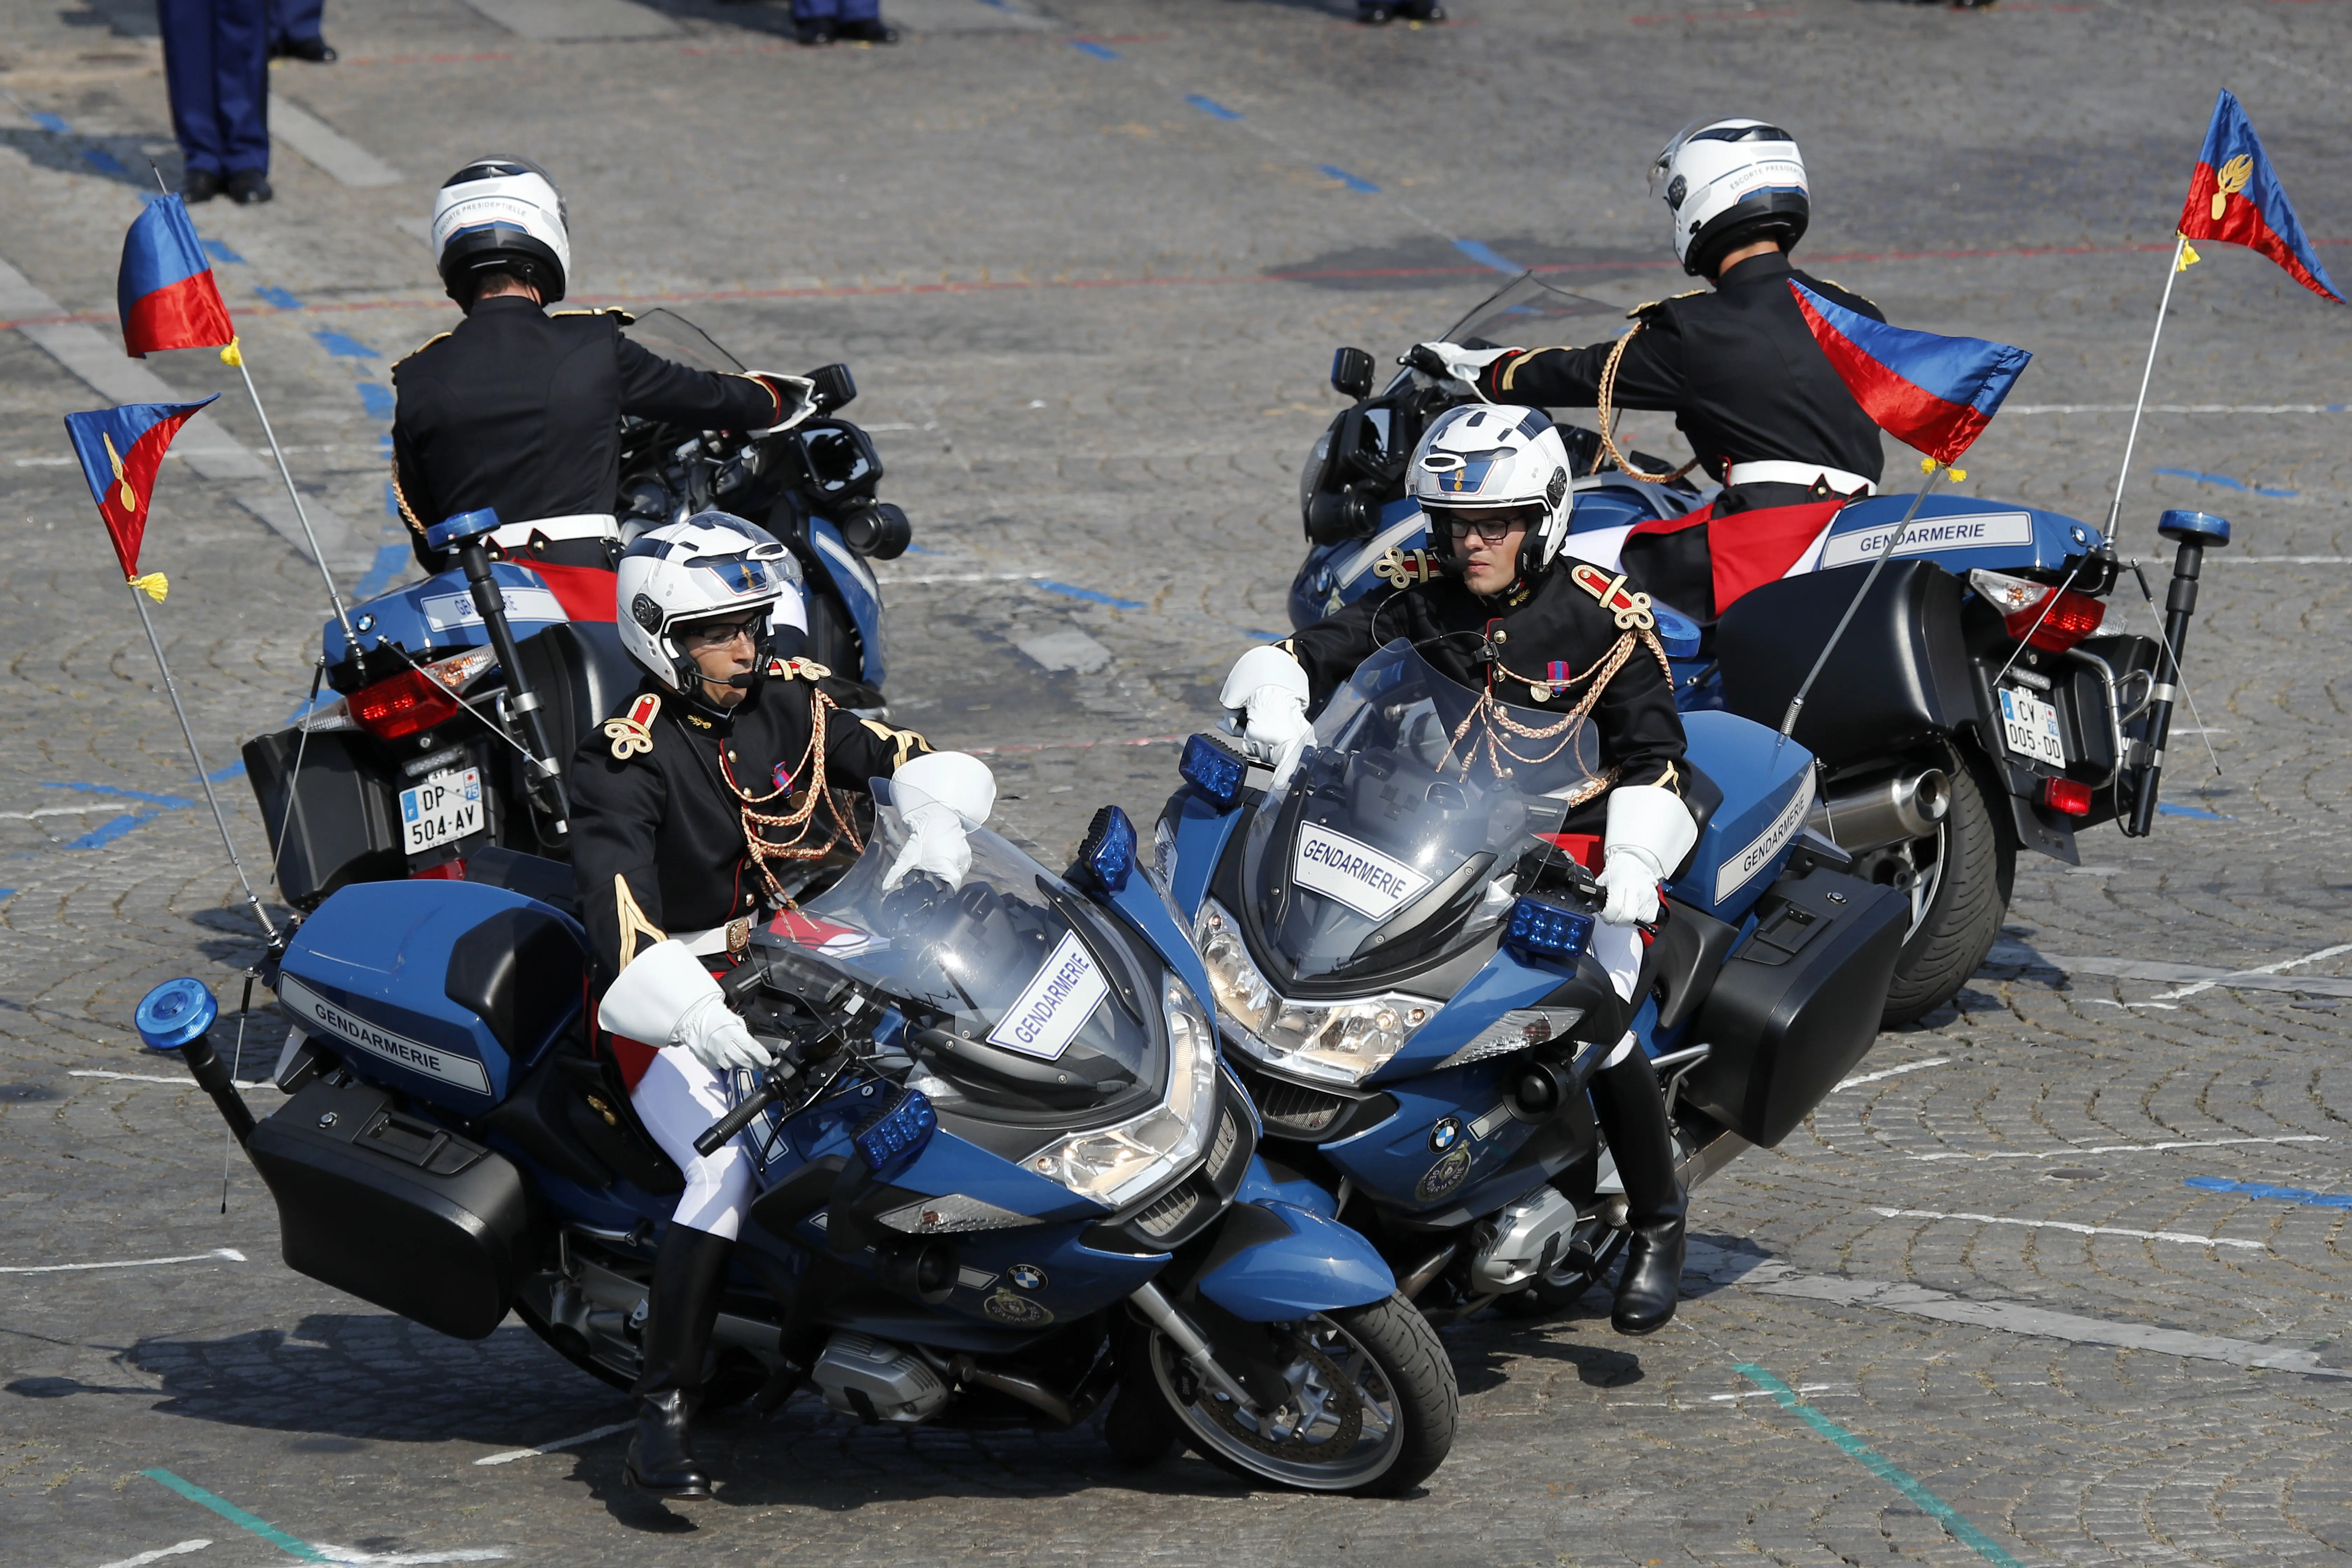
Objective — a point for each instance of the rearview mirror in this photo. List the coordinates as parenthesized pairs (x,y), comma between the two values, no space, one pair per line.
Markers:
(1352,373)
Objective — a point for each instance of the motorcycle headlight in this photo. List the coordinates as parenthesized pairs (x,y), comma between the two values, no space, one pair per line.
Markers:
(1116,1165)
(1336,1042)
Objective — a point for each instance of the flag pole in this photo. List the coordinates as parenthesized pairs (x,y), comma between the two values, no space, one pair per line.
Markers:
(220,818)
(234,354)
(2131,440)
(1788,720)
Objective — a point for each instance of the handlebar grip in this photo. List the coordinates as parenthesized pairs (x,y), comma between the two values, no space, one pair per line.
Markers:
(715,1137)
(1425,359)
(739,984)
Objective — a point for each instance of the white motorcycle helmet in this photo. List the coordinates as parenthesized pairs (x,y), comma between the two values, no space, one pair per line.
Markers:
(1728,182)
(713,564)
(1479,456)
(500,215)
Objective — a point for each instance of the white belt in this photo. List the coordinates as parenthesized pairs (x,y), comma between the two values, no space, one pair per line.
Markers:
(732,937)
(580,525)
(1773,472)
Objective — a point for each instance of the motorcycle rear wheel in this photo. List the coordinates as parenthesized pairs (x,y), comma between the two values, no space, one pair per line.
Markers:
(1960,911)
(1371,1411)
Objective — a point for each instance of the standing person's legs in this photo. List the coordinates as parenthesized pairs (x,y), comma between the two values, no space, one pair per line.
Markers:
(815,19)
(295,21)
(241,69)
(187,29)
(861,22)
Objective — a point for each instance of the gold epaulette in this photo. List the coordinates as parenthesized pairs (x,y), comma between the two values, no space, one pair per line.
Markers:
(418,350)
(1404,568)
(632,733)
(798,669)
(1631,609)
(1648,305)
(616,311)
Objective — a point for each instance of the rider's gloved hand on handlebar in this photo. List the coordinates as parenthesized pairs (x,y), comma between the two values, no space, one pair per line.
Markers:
(1269,688)
(1650,830)
(1463,365)
(795,398)
(665,997)
(941,797)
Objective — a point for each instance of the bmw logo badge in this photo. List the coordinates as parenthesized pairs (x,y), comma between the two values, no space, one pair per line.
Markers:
(1028,1276)
(1446,1134)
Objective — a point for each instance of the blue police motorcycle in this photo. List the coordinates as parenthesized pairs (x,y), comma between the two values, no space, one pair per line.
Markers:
(1397,939)
(1004,1177)
(1978,705)
(451,688)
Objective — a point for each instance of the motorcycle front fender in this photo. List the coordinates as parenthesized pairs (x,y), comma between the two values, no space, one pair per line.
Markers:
(1276,1261)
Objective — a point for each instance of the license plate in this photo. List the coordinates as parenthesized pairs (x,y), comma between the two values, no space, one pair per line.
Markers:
(447,805)
(2030,727)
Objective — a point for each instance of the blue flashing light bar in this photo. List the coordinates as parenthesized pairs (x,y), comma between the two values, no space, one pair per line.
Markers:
(899,1133)
(1215,772)
(1539,929)
(1108,849)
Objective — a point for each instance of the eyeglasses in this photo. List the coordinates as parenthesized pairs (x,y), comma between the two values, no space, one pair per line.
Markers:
(716,634)
(1490,531)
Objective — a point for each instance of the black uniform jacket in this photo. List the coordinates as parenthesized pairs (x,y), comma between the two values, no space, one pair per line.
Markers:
(1512,639)
(1735,364)
(519,409)
(657,836)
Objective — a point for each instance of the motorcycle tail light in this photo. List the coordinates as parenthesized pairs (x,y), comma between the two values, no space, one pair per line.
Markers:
(2071,796)
(402,706)
(2030,616)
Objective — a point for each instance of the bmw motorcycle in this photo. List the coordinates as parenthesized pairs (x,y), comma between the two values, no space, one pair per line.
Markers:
(1979,703)
(1003,1177)
(1398,940)
(456,688)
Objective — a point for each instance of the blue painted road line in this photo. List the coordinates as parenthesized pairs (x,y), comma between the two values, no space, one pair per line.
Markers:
(1088,46)
(376,399)
(2166,808)
(2226,482)
(344,346)
(389,560)
(1485,256)
(293,1545)
(1072,591)
(99,836)
(53,124)
(172,800)
(219,251)
(1211,106)
(1353,181)
(1885,1469)
(278,297)
(7,892)
(2304,1195)
(104,161)
(221,775)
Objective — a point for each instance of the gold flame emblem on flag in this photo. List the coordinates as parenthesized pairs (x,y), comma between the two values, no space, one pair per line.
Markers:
(2229,180)
(129,496)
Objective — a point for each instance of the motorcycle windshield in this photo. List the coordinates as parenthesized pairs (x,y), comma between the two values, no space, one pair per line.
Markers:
(1530,314)
(1024,1000)
(1399,832)
(673,337)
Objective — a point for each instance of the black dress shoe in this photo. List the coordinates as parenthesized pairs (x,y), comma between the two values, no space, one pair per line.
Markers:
(199,185)
(247,187)
(874,30)
(813,33)
(660,1461)
(1653,1279)
(318,51)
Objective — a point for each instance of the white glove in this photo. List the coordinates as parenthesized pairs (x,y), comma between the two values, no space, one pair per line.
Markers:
(941,797)
(1268,686)
(1463,365)
(665,997)
(1650,830)
(795,398)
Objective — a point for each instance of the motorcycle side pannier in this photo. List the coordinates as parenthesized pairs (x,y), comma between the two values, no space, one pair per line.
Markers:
(341,822)
(395,1209)
(1799,1004)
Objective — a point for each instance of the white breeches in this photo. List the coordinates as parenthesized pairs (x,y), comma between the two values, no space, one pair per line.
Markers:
(1620,950)
(678,1100)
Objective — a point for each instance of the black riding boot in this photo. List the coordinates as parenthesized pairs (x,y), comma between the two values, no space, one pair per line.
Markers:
(1633,1116)
(688,1270)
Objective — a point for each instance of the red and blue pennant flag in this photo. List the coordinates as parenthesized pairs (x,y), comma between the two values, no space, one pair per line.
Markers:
(2233,197)
(120,448)
(1935,394)
(165,288)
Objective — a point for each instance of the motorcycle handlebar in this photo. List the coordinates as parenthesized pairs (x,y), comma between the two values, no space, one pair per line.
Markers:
(716,1135)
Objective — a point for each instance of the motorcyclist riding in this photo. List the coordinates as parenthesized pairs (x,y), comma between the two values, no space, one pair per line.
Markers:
(1497,607)
(722,768)
(1764,410)
(519,409)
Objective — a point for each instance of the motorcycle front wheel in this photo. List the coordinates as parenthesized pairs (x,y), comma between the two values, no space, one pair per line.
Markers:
(1371,1407)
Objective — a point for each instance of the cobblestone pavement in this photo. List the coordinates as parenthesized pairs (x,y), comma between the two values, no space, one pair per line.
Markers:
(1090,258)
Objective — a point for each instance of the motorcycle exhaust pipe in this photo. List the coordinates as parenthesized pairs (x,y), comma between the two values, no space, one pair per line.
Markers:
(177,1015)
(1866,816)
(2194,531)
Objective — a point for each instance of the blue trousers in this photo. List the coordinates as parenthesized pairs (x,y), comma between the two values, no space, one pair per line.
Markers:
(295,21)
(836,10)
(216,69)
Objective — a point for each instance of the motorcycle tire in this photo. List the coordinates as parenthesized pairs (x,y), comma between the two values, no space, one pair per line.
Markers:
(1977,869)
(1397,1360)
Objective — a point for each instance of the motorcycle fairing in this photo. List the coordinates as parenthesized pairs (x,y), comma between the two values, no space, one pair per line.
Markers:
(1504,982)
(1494,1158)
(442,990)
(1200,832)
(1958,533)
(1768,786)
(1287,1261)
(860,596)
(440,612)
